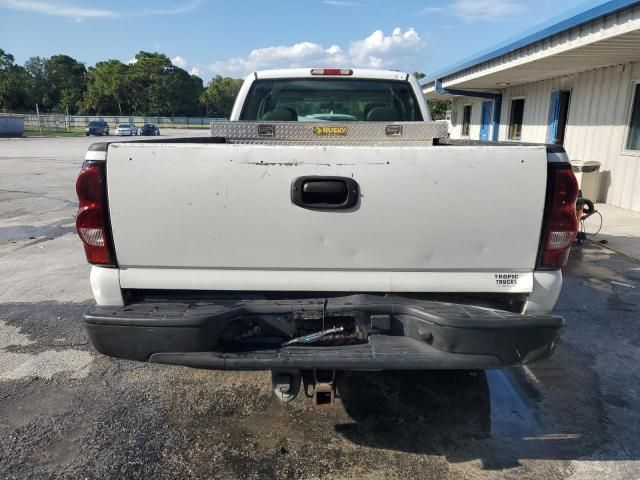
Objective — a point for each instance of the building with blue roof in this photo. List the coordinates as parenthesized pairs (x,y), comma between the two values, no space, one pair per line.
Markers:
(574,81)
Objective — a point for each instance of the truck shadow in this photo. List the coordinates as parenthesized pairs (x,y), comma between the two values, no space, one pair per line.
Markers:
(562,408)
(495,416)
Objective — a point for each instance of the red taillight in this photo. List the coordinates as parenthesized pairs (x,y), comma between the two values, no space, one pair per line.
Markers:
(561,223)
(91,222)
(332,71)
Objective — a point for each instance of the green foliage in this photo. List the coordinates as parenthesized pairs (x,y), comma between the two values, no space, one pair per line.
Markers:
(14,84)
(36,68)
(65,84)
(57,84)
(439,108)
(148,82)
(6,61)
(107,88)
(151,85)
(220,94)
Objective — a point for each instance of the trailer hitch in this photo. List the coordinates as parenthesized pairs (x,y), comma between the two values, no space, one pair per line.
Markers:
(320,385)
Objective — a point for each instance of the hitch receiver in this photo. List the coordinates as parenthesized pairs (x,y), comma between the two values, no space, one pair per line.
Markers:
(324,387)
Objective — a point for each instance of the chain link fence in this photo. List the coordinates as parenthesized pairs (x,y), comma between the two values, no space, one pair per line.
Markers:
(61,123)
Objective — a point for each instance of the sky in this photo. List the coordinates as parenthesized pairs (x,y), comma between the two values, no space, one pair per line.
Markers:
(235,38)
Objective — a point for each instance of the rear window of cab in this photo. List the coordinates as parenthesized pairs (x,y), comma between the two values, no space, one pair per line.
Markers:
(326,100)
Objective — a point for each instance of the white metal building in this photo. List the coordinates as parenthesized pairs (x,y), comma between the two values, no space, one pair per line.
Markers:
(575,81)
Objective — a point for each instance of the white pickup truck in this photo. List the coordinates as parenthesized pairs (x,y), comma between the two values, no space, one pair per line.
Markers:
(329,225)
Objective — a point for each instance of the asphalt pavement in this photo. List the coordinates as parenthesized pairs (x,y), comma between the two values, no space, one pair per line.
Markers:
(69,412)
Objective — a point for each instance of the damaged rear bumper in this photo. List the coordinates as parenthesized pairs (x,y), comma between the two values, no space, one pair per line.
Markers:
(396,333)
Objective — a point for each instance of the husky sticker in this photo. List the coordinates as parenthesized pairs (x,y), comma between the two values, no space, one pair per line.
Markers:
(330,130)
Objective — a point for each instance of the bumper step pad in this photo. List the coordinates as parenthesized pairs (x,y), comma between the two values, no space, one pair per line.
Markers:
(382,352)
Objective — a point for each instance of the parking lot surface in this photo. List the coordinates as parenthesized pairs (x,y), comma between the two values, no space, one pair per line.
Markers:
(68,412)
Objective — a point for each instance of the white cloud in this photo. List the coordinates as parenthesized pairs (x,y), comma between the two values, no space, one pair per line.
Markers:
(404,50)
(475,10)
(56,9)
(486,9)
(427,10)
(194,71)
(80,12)
(178,61)
(376,50)
(341,3)
(132,61)
(177,10)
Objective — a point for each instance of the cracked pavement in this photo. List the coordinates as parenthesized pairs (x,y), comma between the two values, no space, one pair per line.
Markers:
(68,412)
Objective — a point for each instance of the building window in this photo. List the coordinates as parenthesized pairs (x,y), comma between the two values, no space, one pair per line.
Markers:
(466,120)
(515,119)
(633,142)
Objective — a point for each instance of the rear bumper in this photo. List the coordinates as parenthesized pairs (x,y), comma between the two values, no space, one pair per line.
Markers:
(400,333)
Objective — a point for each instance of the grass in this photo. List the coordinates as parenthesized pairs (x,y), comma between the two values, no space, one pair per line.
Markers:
(79,131)
(53,132)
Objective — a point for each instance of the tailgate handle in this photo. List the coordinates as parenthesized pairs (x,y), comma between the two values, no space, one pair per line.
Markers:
(325,193)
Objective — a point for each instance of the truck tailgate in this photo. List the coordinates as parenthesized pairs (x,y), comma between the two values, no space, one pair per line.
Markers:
(429,218)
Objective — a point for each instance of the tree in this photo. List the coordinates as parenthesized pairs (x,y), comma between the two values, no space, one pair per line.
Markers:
(198,86)
(36,68)
(107,88)
(6,61)
(220,95)
(160,88)
(66,83)
(147,84)
(182,92)
(152,85)
(438,108)
(15,94)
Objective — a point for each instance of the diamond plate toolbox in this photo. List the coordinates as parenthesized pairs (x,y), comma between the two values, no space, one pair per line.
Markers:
(329,132)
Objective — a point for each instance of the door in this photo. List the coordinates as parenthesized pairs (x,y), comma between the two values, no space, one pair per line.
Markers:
(485,121)
(558,113)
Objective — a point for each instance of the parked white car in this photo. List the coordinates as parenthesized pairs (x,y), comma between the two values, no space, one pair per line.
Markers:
(126,129)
